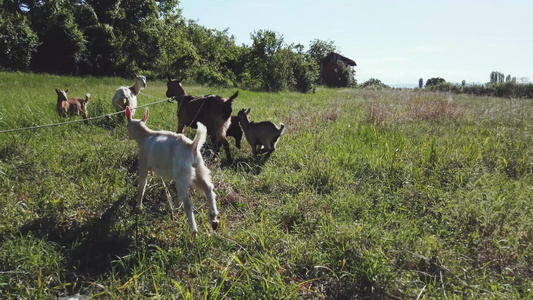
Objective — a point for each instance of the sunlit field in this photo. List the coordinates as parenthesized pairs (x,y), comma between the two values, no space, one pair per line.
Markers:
(399,194)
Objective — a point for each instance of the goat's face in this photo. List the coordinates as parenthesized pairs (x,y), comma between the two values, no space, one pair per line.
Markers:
(142,80)
(175,89)
(61,95)
(243,115)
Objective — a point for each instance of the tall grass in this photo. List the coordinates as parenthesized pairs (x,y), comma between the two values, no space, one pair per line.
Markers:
(370,194)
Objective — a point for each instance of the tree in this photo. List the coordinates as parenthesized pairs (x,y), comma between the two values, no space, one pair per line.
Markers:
(62,45)
(269,62)
(318,49)
(18,42)
(305,71)
(496,77)
(434,81)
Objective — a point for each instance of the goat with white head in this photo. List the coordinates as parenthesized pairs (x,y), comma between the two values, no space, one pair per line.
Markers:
(174,156)
(127,96)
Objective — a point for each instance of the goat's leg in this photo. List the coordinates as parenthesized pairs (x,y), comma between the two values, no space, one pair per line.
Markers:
(203,182)
(267,148)
(180,126)
(226,149)
(256,148)
(183,189)
(143,176)
(224,141)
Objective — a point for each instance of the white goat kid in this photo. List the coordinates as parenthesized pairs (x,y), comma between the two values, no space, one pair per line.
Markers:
(174,156)
(127,96)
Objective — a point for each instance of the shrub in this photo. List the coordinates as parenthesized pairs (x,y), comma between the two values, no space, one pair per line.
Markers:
(375,84)
(345,75)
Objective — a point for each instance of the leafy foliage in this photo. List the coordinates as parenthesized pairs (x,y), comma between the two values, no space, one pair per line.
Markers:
(119,37)
(434,81)
(274,66)
(508,89)
(17,41)
(373,83)
(318,49)
(345,75)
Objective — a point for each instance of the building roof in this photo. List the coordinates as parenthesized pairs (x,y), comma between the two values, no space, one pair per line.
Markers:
(334,57)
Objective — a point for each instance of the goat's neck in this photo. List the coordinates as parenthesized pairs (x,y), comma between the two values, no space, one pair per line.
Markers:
(136,88)
(141,133)
(181,97)
(245,123)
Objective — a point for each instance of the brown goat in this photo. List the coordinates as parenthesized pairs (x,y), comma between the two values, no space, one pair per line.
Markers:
(235,131)
(261,136)
(73,106)
(213,111)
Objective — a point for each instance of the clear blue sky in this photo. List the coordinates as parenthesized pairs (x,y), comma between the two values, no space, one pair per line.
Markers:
(397,42)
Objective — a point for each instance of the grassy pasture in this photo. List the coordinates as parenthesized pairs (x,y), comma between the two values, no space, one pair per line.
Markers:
(371,194)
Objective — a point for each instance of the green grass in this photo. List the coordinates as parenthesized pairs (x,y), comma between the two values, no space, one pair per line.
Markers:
(370,194)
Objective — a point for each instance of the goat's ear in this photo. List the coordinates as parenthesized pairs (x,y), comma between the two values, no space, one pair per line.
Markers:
(145,116)
(168,77)
(57,91)
(134,75)
(128,113)
(66,91)
(248,111)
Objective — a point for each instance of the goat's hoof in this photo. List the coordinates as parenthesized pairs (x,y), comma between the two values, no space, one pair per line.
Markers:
(214,223)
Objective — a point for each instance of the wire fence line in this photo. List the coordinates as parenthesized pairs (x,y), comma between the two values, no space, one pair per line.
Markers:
(169,100)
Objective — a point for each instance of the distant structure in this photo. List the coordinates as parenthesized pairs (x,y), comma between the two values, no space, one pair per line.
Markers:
(328,66)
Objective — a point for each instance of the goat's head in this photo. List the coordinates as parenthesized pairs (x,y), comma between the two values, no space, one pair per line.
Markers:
(175,89)
(243,113)
(61,95)
(135,126)
(141,80)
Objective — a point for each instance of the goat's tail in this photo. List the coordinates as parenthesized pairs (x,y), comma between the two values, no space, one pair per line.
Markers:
(282,128)
(87,97)
(199,139)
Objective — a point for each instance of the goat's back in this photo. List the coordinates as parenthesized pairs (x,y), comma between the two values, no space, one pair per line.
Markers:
(72,106)
(124,97)
(166,153)
(212,111)
(262,131)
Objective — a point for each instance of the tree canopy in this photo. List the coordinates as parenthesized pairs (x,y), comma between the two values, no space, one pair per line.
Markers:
(119,37)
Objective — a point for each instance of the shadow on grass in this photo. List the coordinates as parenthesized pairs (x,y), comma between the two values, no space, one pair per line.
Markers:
(89,249)
(249,164)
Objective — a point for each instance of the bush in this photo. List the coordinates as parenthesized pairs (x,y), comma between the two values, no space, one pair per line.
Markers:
(345,75)
(374,84)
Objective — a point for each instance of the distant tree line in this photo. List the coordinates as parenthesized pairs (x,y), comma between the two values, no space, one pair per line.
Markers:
(119,37)
(498,86)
